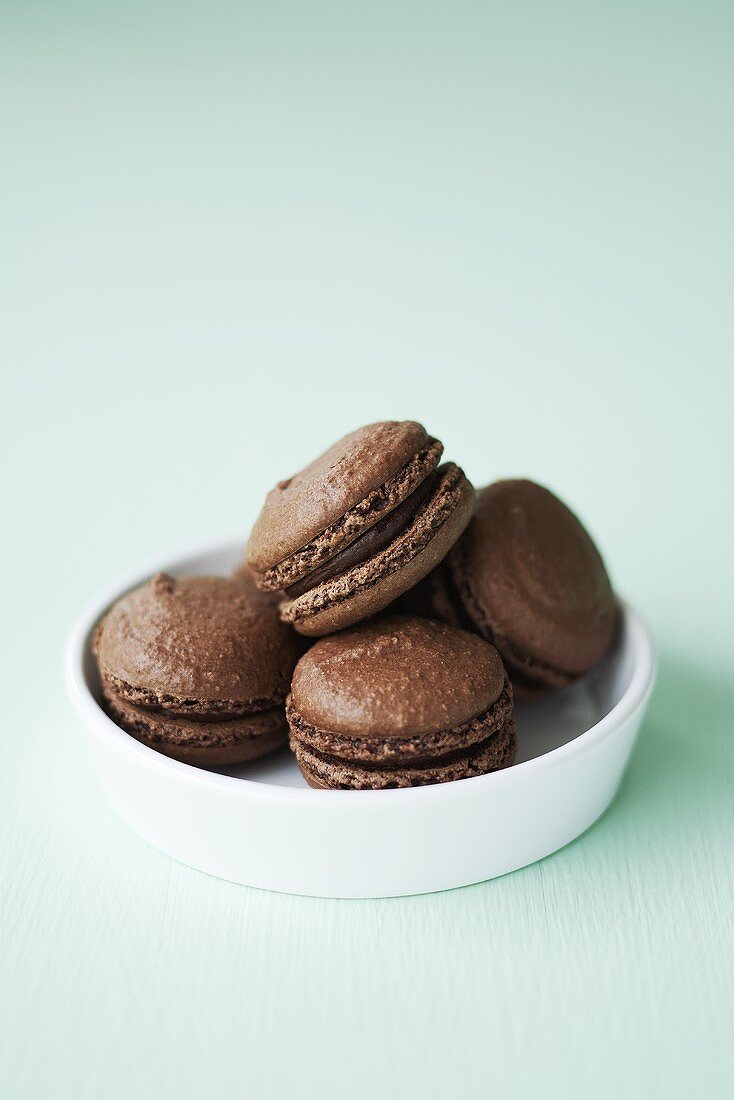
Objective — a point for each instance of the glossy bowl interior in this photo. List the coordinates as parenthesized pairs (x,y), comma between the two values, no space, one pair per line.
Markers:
(260,825)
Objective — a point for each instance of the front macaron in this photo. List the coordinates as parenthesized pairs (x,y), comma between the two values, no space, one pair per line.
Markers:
(197,668)
(527,576)
(400,702)
(359,526)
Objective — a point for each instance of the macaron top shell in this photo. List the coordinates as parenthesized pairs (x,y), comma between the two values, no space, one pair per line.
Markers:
(299,509)
(396,677)
(198,641)
(535,577)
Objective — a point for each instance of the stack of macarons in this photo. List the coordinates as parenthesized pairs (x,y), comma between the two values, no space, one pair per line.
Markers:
(427,608)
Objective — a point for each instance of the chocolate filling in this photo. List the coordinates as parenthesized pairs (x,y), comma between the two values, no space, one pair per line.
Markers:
(372,541)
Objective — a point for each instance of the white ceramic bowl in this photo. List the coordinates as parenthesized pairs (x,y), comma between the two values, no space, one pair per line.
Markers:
(259,824)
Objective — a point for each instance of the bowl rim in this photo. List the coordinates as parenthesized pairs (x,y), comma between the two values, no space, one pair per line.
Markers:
(104,728)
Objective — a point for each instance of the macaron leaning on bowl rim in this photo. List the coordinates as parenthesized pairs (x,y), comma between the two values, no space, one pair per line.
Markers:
(526,576)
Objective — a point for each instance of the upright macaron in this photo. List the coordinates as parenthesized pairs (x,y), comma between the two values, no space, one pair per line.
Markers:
(359,526)
(526,576)
(197,668)
(400,702)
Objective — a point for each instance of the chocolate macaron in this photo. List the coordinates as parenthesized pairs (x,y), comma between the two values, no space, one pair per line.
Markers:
(198,668)
(359,526)
(526,576)
(400,702)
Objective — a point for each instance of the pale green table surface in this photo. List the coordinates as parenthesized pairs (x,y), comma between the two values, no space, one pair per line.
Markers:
(230,234)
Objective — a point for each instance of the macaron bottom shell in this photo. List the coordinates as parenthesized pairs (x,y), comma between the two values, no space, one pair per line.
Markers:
(215,743)
(321,772)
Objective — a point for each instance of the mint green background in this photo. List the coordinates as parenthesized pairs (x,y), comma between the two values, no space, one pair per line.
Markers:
(229,234)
